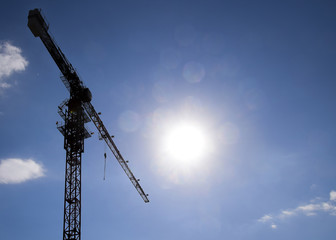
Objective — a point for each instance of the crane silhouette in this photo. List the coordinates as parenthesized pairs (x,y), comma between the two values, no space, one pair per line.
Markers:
(75,111)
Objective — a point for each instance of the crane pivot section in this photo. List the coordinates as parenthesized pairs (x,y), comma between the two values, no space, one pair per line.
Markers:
(75,111)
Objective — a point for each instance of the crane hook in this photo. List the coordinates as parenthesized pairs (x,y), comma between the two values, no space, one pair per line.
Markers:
(104,161)
(104,166)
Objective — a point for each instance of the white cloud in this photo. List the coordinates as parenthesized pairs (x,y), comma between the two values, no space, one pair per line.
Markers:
(333,196)
(286,213)
(310,209)
(15,170)
(265,218)
(11,61)
(274,226)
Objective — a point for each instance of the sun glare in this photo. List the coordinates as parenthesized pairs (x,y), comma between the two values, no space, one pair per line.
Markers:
(185,143)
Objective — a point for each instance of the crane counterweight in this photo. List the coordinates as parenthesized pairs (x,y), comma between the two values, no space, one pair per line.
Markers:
(36,23)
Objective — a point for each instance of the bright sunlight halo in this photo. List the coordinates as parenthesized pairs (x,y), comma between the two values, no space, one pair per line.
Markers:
(185,143)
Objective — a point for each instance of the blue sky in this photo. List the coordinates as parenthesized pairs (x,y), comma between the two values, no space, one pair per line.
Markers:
(257,78)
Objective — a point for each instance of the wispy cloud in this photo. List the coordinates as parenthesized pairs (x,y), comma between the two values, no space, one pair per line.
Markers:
(265,218)
(11,61)
(310,209)
(15,170)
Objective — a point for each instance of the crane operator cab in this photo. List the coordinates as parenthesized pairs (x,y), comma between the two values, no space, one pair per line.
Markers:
(75,102)
(86,95)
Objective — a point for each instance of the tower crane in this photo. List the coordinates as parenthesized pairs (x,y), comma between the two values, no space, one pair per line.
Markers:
(75,111)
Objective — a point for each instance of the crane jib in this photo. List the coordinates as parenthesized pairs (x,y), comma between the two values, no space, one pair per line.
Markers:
(108,139)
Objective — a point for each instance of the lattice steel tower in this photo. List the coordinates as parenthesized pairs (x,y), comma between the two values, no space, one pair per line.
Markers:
(75,112)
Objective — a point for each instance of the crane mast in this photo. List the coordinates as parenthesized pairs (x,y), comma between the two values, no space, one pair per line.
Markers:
(75,111)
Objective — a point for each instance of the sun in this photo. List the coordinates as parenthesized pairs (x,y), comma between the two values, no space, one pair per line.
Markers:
(185,143)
